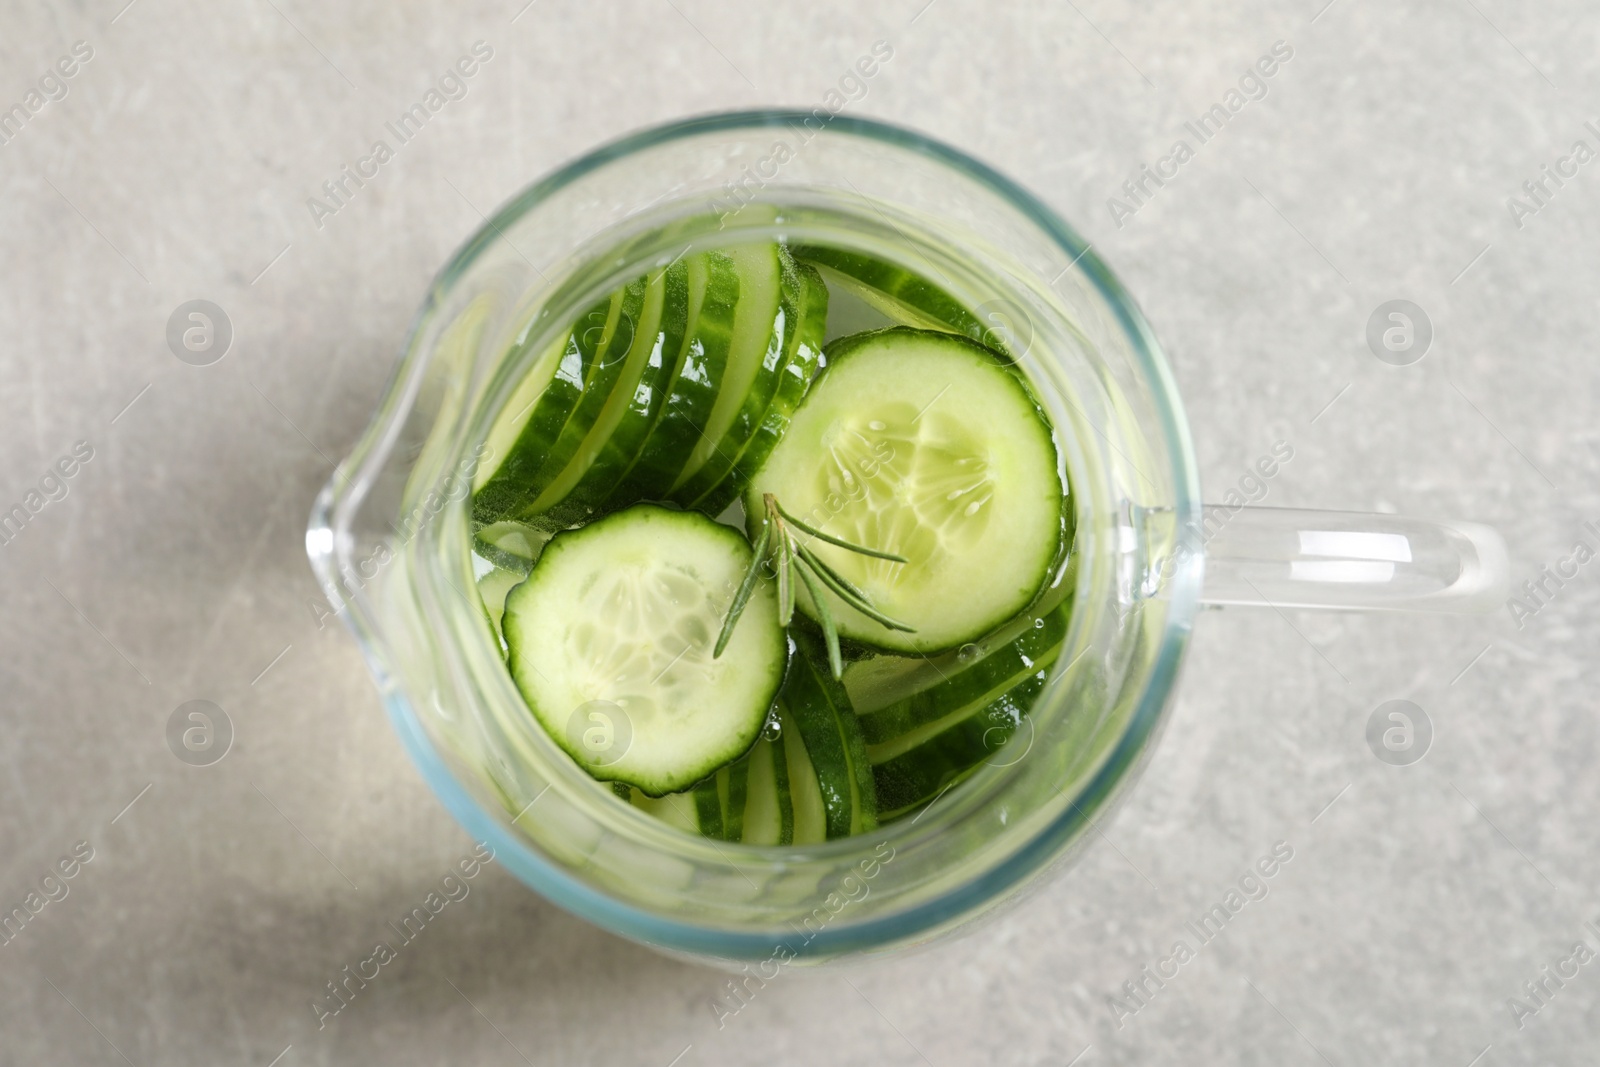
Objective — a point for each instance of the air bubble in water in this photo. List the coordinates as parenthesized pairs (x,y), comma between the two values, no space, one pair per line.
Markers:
(968,653)
(773,729)
(1038,624)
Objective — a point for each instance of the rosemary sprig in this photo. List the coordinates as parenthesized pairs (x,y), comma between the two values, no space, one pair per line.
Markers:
(793,560)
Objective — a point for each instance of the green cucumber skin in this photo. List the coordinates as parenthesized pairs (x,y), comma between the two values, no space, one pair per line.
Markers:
(693,392)
(708,808)
(622,449)
(735,779)
(830,730)
(795,382)
(902,286)
(914,778)
(722,800)
(604,370)
(780,346)
(505,491)
(1037,647)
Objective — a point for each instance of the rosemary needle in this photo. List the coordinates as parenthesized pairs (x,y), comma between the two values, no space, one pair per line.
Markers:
(793,560)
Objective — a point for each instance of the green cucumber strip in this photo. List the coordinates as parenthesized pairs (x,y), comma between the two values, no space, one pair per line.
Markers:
(713,300)
(902,295)
(914,778)
(769,811)
(763,328)
(877,681)
(733,781)
(795,378)
(810,812)
(929,446)
(821,712)
(708,808)
(973,687)
(559,506)
(761,817)
(610,640)
(648,394)
(521,440)
(564,463)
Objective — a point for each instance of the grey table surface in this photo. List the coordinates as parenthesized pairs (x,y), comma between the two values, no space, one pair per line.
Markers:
(1381,163)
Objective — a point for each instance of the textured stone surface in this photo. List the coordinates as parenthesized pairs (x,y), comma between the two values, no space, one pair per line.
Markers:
(1377,166)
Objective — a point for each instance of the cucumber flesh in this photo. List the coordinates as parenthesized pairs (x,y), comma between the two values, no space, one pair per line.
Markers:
(747,801)
(925,445)
(805,794)
(492,589)
(769,813)
(674,809)
(610,641)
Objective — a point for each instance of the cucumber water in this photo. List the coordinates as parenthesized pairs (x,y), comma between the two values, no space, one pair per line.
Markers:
(776,586)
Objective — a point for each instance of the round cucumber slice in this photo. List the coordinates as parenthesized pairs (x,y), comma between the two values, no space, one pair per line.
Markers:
(925,445)
(610,641)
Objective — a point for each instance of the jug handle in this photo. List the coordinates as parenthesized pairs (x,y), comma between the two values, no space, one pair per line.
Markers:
(1350,560)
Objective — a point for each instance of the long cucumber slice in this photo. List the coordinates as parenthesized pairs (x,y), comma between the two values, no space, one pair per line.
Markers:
(610,640)
(521,440)
(747,801)
(970,689)
(805,793)
(646,397)
(605,391)
(902,295)
(910,779)
(820,710)
(769,813)
(795,379)
(686,411)
(929,446)
(764,332)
